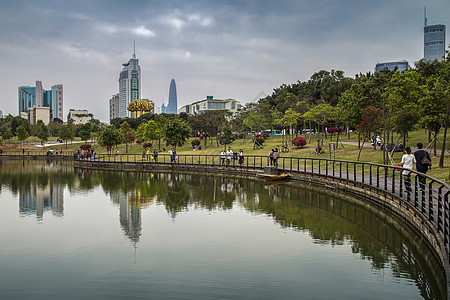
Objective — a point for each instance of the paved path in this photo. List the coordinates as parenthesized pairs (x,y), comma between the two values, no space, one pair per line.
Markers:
(369,145)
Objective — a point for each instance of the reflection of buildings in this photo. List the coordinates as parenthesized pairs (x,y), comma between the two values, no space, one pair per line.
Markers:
(129,215)
(39,199)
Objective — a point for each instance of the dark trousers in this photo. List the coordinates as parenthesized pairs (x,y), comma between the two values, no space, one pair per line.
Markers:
(422,179)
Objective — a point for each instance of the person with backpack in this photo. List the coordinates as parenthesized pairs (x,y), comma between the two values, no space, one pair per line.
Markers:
(423,163)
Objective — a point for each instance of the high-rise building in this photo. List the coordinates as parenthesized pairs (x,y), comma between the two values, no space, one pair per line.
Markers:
(57,101)
(129,85)
(31,98)
(401,66)
(433,40)
(172,107)
(114,107)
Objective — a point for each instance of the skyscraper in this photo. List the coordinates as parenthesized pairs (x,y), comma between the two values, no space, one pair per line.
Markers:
(433,40)
(129,85)
(172,107)
(37,97)
(57,101)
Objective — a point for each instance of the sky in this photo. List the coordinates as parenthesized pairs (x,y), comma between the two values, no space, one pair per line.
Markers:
(226,49)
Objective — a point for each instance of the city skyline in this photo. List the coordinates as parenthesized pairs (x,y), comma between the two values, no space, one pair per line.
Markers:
(234,49)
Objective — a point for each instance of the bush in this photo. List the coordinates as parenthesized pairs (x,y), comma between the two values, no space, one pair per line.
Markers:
(334,129)
(85,146)
(239,135)
(299,142)
(147,145)
(266,135)
(195,142)
(138,141)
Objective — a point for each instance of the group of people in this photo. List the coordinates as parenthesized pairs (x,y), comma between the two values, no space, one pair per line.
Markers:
(422,160)
(273,157)
(173,155)
(231,155)
(50,152)
(151,155)
(88,154)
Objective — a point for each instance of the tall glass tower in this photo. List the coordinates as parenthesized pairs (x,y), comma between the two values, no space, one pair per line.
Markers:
(172,107)
(129,85)
(434,40)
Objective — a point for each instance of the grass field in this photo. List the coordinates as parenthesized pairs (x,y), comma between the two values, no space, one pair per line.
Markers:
(343,152)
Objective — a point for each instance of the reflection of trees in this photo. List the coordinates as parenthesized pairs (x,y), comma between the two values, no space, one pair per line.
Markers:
(328,220)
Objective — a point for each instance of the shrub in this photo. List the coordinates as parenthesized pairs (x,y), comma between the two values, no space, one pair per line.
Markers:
(266,135)
(334,129)
(239,135)
(147,145)
(195,142)
(299,142)
(138,141)
(85,146)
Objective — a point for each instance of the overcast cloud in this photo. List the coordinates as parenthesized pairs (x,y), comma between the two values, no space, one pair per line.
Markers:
(226,49)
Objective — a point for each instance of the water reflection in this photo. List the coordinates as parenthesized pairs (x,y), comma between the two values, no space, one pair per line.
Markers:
(329,221)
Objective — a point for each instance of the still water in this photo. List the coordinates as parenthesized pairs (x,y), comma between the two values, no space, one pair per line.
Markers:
(73,234)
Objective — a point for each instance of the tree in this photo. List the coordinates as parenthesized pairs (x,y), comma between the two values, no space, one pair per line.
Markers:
(85,132)
(290,118)
(148,131)
(109,137)
(404,121)
(208,123)
(128,135)
(22,134)
(176,132)
(7,134)
(321,115)
(43,134)
(66,133)
(226,136)
(370,123)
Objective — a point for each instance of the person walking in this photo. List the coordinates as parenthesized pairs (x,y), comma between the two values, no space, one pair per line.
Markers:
(241,157)
(155,155)
(408,161)
(147,152)
(223,155)
(276,154)
(229,155)
(271,157)
(423,163)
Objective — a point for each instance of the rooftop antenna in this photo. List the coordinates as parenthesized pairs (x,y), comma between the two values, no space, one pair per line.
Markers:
(425,16)
(134,49)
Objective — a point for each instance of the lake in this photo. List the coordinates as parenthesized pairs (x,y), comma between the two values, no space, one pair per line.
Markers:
(68,233)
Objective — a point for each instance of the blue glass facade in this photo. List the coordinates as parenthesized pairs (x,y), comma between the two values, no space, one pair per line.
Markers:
(35,96)
(391,66)
(434,42)
(172,107)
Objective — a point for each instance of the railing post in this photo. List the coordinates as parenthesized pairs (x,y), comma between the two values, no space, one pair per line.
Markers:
(393,180)
(430,201)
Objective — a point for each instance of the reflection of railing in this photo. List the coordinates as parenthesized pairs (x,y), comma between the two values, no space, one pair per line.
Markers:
(430,200)
(36,153)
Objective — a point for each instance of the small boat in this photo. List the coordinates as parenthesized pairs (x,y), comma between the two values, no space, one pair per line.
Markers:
(273,177)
